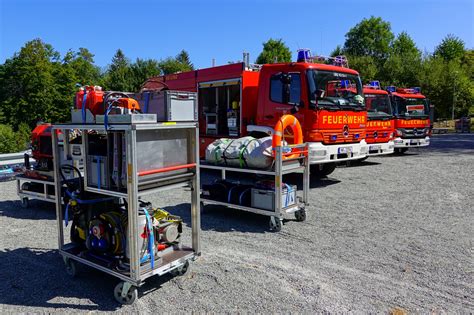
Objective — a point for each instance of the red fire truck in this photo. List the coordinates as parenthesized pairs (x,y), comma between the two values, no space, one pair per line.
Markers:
(241,99)
(380,124)
(412,124)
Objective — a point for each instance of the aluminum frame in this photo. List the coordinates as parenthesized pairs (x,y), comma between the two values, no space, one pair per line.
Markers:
(176,259)
(281,167)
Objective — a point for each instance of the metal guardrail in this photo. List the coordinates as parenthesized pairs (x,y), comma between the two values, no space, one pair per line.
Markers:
(13,158)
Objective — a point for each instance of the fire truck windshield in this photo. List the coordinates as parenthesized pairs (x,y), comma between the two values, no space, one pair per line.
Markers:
(378,105)
(335,90)
(411,107)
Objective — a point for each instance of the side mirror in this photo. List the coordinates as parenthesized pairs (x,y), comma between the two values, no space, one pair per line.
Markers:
(319,94)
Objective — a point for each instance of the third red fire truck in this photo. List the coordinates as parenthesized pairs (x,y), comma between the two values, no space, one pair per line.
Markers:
(412,123)
(240,99)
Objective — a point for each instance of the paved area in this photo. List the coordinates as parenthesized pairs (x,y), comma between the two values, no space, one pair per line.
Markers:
(391,233)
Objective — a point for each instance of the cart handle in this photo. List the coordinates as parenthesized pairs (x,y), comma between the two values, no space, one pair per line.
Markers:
(166,169)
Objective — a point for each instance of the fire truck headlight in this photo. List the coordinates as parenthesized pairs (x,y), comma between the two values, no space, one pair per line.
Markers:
(399,132)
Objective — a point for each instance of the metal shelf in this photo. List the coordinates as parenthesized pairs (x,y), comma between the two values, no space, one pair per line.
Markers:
(280,167)
(135,188)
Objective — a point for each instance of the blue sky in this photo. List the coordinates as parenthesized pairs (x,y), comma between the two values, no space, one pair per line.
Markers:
(218,29)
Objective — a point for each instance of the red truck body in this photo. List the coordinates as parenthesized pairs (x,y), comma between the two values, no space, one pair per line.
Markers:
(236,100)
(380,124)
(412,123)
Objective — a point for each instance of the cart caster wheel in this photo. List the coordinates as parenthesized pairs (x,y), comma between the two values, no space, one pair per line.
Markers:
(25,202)
(300,215)
(128,297)
(71,267)
(181,271)
(275,224)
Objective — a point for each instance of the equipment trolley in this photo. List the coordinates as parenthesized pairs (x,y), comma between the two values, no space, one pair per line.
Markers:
(145,147)
(45,191)
(281,166)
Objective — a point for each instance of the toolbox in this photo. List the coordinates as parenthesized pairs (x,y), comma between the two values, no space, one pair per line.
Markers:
(169,105)
(265,199)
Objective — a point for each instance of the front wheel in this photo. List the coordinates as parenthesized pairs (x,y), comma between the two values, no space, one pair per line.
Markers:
(400,150)
(321,170)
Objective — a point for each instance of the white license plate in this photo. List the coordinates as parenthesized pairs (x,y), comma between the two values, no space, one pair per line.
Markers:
(413,141)
(375,147)
(344,150)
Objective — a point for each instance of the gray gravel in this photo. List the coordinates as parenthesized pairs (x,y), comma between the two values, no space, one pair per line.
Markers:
(392,233)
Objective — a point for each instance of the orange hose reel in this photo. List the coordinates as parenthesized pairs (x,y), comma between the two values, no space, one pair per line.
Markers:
(284,122)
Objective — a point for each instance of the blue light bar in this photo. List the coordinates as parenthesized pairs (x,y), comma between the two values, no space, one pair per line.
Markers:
(333,137)
(391,88)
(375,84)
(416,89)
(304,55)
(345,83)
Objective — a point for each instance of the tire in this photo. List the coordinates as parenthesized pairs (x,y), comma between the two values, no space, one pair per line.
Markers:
(181,271)
(322,170)
(300,215)
(128,299)
(400,150)
(275,224)
(71,267)
(25,203)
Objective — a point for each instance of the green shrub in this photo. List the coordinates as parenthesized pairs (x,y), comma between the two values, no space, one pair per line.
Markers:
(23,136)
(8,140)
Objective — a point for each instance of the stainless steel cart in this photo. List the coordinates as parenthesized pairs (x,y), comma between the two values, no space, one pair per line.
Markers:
(178,260)
(281,166)
(25,195)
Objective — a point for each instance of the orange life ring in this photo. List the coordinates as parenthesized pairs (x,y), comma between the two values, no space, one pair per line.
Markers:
(285,122)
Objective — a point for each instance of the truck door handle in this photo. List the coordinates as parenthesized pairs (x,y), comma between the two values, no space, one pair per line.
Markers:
(269,116)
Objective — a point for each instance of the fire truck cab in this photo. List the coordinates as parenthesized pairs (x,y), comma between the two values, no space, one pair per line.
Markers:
(412,124)
(380,124)
(240,99)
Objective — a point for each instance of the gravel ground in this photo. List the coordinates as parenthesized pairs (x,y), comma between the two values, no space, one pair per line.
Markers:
(392,233)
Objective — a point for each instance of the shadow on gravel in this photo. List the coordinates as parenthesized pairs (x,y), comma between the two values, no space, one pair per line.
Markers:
(37,278)
(452,143)
(361,163)
(223,219)
(37,210)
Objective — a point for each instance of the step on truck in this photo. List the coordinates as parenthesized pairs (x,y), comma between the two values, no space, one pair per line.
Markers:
(242,99)
(412,124)
(380,124)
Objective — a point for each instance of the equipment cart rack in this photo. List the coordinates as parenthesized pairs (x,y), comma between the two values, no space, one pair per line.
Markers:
(175,262)
(25,195)
(281,166)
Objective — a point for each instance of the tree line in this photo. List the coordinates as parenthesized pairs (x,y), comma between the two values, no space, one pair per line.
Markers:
(37,83)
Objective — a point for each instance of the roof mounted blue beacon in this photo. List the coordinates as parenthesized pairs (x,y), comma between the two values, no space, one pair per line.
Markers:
(304,55)
(375,84)
(391,88)
(416,89)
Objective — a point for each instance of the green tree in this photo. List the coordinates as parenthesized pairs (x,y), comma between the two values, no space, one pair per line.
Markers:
(274,49)
(170,65)
(183,57)
(338,51)
(8,143)
(118,75)
(370,37)
(28,85)
(450,48)
(141,70)
(365,65)
(403,65)
(82,63)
